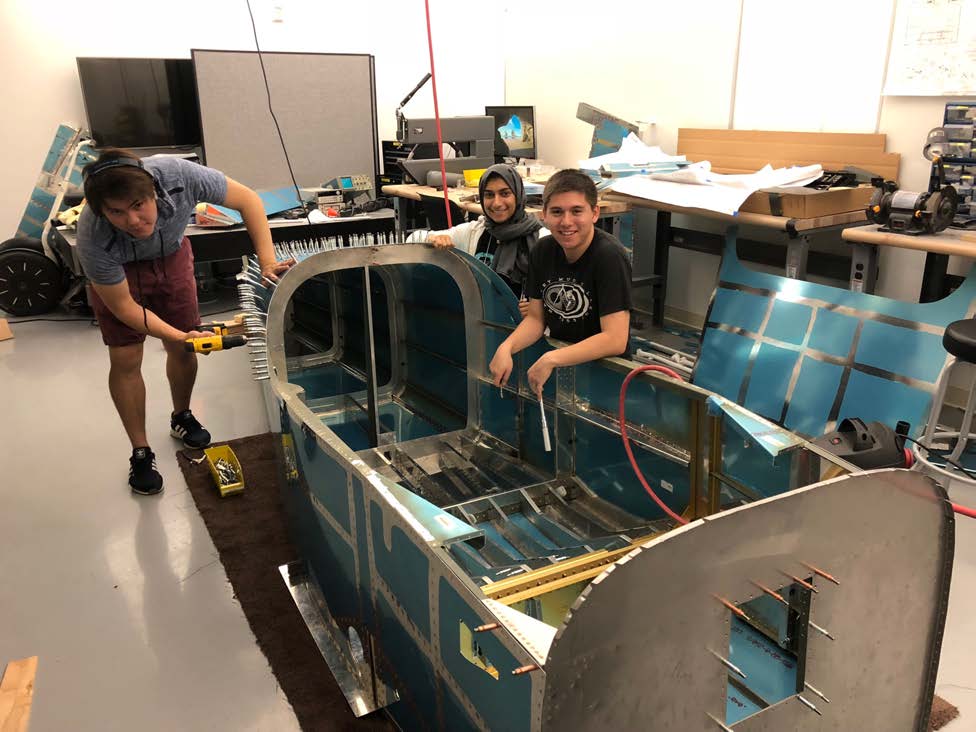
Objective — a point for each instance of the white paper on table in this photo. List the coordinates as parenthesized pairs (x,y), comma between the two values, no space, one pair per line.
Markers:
(713,191)
(633,151)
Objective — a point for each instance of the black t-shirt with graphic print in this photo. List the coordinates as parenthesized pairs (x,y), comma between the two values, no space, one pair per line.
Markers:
(575,296)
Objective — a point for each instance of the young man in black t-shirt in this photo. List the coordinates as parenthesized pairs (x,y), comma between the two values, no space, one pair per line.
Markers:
(578,286)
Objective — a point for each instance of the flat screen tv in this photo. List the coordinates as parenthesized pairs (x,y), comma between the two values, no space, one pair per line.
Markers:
(140,102)
(515,127)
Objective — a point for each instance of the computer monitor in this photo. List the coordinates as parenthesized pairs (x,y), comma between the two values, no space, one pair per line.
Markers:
(515,128)
(140,102)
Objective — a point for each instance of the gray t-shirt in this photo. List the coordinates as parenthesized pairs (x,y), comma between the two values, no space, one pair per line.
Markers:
(180,186)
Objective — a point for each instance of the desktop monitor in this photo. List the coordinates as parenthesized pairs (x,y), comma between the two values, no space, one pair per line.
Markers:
(140,102)
(515,127)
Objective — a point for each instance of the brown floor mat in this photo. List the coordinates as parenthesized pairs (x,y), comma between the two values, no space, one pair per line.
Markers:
(249,532)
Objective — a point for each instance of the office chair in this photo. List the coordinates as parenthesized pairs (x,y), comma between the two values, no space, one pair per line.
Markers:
(433,207)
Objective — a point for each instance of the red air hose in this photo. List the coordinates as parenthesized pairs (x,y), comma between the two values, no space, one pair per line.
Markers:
(623,436)
(964,510)
(437,118)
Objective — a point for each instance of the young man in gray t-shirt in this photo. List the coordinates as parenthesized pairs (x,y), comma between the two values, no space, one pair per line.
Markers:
(139,265)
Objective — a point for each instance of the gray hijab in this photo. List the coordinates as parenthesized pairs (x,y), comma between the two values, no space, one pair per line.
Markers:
(517,236)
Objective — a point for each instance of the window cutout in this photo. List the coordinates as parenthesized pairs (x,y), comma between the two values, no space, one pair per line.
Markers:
(473,653)
(769,646)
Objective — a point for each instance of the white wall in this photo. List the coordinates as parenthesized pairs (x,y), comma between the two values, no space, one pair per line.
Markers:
(669,62)
(39,40)
(801,66)
(674,63)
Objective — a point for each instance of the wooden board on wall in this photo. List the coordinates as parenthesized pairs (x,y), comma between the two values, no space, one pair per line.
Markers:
(746,151)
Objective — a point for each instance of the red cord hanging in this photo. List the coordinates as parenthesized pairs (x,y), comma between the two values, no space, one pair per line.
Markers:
(626,440)
(437,118)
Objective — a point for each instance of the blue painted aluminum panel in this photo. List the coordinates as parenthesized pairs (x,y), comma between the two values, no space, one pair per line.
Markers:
(723,362)
(883,346)
(897,342)
(325,477)
(816,377)
(769,381)
(788,322)
(404,567)
(506,702)
(870,397)
(743,309)
(832,333)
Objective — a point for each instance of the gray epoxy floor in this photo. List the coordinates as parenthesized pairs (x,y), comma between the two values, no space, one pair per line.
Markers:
(123,598)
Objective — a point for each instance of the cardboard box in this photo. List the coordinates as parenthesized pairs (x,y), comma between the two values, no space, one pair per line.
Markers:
(807,203)
(5,332)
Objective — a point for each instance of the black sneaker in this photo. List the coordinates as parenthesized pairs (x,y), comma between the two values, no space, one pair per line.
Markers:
(184,426)
(144,479)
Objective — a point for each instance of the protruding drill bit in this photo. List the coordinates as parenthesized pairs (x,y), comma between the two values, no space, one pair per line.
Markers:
(728,664)
(817,628)
(807,684)
(809,704)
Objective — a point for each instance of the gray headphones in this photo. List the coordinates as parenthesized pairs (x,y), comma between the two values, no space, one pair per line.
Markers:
(93,169)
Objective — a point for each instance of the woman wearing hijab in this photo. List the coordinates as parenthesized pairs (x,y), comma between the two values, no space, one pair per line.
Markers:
(504,236)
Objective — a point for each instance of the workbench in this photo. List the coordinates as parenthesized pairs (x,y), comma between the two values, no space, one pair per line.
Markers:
(799,235)
(466,198)
(938,247)
(212,244)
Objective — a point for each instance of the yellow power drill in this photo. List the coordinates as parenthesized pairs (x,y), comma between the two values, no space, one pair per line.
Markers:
(221,339)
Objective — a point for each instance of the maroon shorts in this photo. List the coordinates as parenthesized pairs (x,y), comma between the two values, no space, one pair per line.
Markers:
(166,286)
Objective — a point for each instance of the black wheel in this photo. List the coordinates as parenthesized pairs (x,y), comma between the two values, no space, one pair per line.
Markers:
(30,283)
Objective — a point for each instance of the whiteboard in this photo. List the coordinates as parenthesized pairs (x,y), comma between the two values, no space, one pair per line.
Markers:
(933,49)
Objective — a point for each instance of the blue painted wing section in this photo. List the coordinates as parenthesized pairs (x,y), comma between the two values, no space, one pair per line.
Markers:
(723,362)
(771,438)
(816,377)
(330,556)
(364,579)
(833,333)
(40,207)
(882,345)
(770,380)
(326,380)
(455,718)
(499,416)
(406,668)
(608,136)
(742,309)
(608,473)
(770,671)
(442,525)
(505,702)
(788,322)
(404,567)
(62,137)
(765,470)
(738,706)
(326,478)
(893,342)
(870,397)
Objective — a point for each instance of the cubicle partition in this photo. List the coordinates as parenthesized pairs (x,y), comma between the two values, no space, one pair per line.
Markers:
(324,103)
